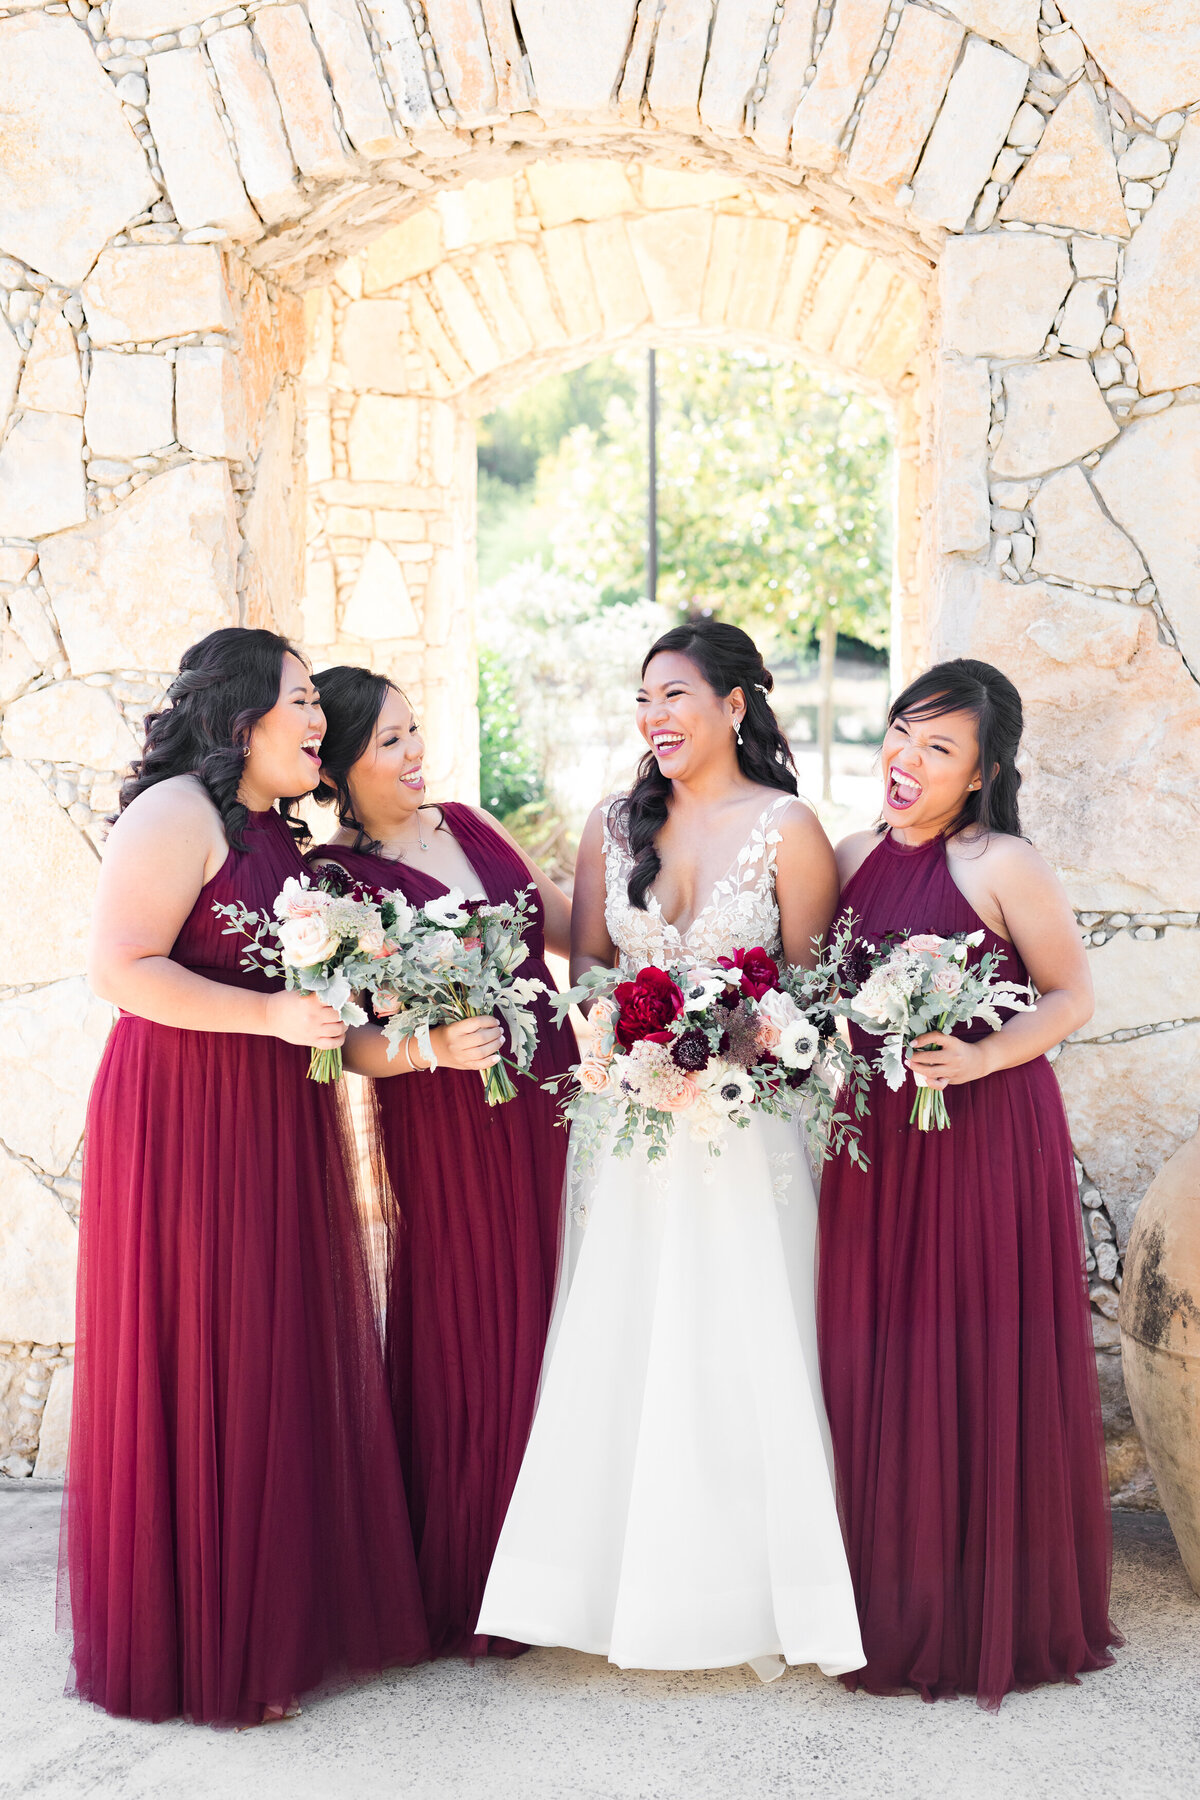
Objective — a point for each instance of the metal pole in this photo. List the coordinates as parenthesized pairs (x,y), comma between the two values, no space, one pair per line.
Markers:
(652,480)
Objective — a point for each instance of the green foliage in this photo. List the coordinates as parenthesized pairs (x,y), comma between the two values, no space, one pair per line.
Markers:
(773,504)
(513,440)
(509,779)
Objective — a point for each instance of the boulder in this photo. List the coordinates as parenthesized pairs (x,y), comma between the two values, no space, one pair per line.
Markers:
(133,589)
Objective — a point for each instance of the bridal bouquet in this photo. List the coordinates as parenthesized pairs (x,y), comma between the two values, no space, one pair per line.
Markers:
(923,983)
(318,941)
(703,1047)
(456,959)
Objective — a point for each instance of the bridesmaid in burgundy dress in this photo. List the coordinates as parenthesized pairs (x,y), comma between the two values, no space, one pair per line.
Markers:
(956,1348)
(235,1526)
(473,1194)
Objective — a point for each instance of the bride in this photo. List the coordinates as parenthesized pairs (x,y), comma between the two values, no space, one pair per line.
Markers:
(675,1507)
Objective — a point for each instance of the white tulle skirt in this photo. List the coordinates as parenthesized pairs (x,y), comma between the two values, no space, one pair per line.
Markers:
(675,1508)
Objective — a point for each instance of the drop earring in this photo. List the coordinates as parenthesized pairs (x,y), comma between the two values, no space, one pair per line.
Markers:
(737,732)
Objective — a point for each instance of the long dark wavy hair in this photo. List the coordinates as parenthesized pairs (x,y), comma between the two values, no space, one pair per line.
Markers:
(225,684)
(995,705)
(727,658)
(353,700)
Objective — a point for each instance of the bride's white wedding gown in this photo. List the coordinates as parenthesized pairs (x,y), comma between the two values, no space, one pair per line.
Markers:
(675,1508)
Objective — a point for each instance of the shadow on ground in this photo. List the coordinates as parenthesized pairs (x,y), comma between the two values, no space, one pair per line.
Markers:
(557,1724)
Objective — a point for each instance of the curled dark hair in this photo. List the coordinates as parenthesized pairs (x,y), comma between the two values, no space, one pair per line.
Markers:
(995,705)
(727,658)
(353,700)
(225,684)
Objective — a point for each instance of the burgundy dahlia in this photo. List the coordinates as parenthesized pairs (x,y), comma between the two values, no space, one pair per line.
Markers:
(690,1051)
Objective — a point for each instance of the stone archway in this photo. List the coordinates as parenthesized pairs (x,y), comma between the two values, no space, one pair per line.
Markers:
(173,184)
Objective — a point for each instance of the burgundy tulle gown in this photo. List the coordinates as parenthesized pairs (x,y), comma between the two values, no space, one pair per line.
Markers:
(235,1531)
(957,1361)
(473,1196)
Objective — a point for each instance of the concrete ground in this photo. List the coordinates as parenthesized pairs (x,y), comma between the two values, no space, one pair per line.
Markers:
(554,1723)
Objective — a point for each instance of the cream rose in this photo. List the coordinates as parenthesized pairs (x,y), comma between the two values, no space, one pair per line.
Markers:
(297,900)
(592,1076)
(384,1005)
(306,941)
(946,981)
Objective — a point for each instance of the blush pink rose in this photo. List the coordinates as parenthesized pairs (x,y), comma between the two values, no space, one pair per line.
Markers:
(768,1033)
(946,981)
(592,1075)
(383,1005)
(678,1095)
(928,941)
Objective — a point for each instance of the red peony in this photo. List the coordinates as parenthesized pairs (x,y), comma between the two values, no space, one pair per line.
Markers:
(759,973)
(647,1005)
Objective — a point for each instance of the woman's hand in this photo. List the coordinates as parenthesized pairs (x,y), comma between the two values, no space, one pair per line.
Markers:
(304,1019)
(944,1061)
(466,1044)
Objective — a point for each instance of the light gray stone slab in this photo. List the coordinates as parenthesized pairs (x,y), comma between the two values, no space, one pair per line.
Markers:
(984,93)
(1158,302)
(1149,49)
(41,475)
(1000,291)
(1055,414)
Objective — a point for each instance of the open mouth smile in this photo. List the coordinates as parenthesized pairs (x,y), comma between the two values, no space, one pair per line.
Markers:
(903,789)
(312,749)
(666,742)
(413,779)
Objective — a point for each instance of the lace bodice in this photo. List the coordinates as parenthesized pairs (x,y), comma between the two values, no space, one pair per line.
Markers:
(742,912)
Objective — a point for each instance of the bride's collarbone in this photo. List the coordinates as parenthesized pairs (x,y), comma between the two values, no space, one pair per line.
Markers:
(697,857)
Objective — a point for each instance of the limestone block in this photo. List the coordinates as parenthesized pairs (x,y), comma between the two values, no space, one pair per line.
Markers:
(460,38)
(1150,483)
(128,404)
(304,96)
(532,291)
(773,114)
(273,524)
(671,250)
(373,347)
(834,295)
(201,173)
(572,280)
(680,51)
(845,59)
(404,65)
(1131,1106)
(579,189)
(447,370)
(10,369)
(50,1043)
(37,1260)
(1146,157)
(623,302)
(1010,23)
(1143,983)
(1055,413)
(209,414)
(514,334)
(1159,296)
(1094,259)
(1084,316)
(380,606)
(15,564)
(479,212)
(409,249)
(152,291)
(133,589)
(576,50)
(739,38)
(1071,178)
(55,1431)
(253,111)
(756,274)
(319,605)
(71,171)
(28,617)
(1000,291)
(1112,742)
(69,722)
(17,667)
(1149,49)
(383,441)
(962,419)
(41,475)
(468,325)
(900,109)
(153,18)
(675,188)
(338,28)
(984,93)
(810,246)
(51,381)
(47,880)
(1077,541)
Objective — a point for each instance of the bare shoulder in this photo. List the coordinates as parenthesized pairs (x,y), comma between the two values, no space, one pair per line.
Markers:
(1004,860)
(798,824)
(179,809)
(853,851)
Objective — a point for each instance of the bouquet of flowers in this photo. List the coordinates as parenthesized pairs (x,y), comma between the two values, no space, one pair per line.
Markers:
(923,983)
(703,1047)
(318,941)
(455,959)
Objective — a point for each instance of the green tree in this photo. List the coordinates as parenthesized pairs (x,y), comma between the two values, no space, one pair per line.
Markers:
(509,777)
(773,507)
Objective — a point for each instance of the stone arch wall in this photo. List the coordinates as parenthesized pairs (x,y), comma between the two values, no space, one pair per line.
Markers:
(176,185)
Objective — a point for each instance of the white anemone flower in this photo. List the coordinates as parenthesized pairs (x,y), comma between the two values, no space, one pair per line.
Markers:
(798,1045)
(448,909)
(732,1091)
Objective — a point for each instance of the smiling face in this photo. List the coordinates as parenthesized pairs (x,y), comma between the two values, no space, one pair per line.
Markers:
(386,784)
(929,768)
(685,723)
(284,757)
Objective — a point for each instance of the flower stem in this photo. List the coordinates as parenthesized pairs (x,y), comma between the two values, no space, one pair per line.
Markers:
(325,1065)
(497,1084)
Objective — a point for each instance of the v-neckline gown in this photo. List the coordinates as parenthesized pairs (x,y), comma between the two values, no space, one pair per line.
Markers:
(472,1197)
(235,1530)
(957,1359)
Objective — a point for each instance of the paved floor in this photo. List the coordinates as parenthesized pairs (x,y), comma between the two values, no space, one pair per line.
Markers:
(557,1724)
